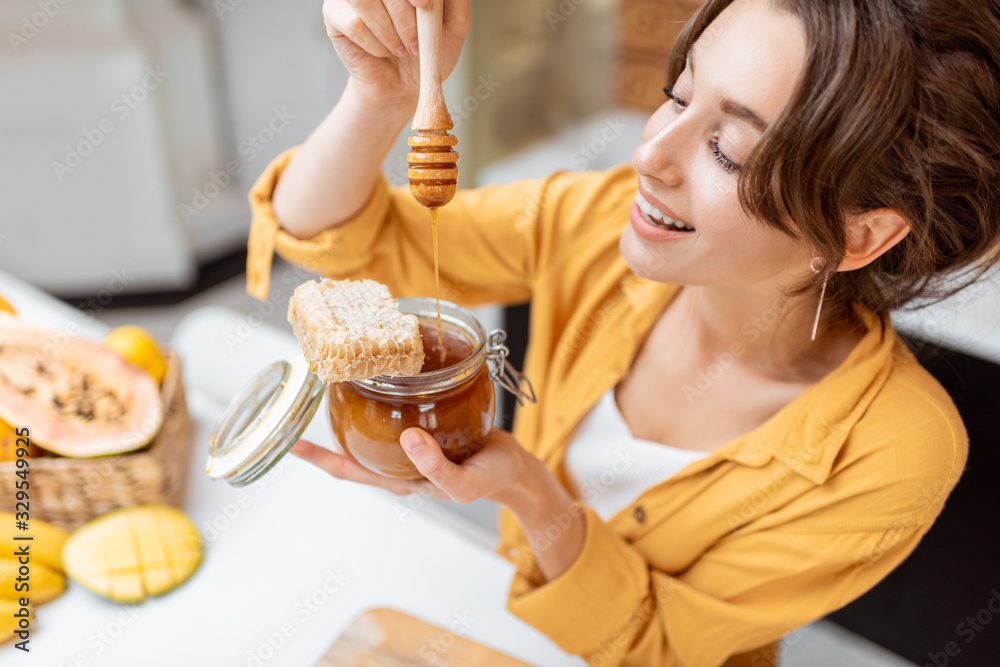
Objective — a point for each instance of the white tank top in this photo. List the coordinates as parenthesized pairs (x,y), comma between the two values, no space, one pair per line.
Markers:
(609,468)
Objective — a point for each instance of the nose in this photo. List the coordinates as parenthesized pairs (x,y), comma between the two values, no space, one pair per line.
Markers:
(661,155)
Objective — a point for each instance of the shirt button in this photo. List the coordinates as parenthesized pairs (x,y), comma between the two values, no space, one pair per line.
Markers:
(640,514)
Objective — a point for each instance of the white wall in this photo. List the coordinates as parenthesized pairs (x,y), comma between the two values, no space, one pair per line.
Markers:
(274,55)
(150,198)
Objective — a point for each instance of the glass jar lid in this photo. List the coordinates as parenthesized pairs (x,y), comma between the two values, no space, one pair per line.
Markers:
(263,421)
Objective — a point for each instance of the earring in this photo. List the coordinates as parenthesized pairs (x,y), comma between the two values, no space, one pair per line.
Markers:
(822,294)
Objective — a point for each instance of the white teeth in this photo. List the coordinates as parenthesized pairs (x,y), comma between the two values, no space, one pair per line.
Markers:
(658,215)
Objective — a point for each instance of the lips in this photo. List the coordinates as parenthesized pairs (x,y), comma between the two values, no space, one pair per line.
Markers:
(650,230)
(658,218)
(659,214)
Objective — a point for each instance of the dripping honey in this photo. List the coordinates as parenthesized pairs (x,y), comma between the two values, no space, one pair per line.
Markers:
(433,173)
(437,280)
(451,350)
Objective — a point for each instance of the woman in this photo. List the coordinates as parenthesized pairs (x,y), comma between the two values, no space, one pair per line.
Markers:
(730,441)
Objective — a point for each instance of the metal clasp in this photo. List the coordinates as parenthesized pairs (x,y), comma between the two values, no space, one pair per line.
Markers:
(501,371)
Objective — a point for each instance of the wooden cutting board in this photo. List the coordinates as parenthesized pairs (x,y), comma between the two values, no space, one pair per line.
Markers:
(390,638)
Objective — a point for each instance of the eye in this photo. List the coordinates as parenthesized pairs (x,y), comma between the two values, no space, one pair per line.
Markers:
(728,165)
(679,104)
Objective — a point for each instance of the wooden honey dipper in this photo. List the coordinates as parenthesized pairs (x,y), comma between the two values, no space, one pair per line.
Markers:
(432,160)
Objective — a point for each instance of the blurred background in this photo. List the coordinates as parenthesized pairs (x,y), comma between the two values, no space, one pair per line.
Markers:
(143,123)
(131,131)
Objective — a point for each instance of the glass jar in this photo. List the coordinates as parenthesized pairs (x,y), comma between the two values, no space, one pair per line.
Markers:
(455,404)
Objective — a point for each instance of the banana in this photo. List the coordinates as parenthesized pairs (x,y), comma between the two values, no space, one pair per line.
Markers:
(9,624)
(44,583)
(45,548)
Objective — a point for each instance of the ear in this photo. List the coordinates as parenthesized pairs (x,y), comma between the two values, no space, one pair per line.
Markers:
(871,234)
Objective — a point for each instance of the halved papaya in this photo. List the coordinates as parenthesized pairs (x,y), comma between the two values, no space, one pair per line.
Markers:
(77,398)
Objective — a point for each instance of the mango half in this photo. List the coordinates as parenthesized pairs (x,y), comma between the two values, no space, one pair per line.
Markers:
(134,553)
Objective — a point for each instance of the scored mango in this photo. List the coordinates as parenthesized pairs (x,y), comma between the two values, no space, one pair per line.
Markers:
(134,553)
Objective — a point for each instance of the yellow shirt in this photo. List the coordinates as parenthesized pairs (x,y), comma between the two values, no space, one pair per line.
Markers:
(771,531)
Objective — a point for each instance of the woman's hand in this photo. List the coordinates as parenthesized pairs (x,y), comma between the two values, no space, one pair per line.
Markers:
(501,471)
(335,171)
(377,42)
(492,473)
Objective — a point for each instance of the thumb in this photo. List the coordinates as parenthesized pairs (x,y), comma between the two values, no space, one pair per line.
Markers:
(427,455)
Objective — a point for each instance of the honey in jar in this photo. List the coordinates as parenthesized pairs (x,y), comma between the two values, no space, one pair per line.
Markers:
(452,398)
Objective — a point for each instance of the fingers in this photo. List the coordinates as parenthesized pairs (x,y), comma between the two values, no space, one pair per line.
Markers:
(344,20)
(376,18)
(498,453)
(404,20)
(335,464)
(380,27)
(344,468)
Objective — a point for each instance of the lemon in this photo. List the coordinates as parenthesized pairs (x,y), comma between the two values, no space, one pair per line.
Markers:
(139,347)
(5,307)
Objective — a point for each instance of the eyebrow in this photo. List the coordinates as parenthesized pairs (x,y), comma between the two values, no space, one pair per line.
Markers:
(733,108)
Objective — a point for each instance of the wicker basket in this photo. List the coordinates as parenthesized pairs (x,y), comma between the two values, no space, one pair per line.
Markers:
(69,492)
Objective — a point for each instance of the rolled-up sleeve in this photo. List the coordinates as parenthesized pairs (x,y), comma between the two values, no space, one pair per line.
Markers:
(345,247)
(489,240)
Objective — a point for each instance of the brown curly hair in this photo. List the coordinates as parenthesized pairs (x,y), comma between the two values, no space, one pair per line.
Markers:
(898,106)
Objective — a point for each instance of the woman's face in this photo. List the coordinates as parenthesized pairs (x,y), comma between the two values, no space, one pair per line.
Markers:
(741,72)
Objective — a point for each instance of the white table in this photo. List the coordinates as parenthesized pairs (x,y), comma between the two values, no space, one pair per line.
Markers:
(290,561)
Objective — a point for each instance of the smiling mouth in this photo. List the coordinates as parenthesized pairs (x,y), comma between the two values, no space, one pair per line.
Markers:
(658,218)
